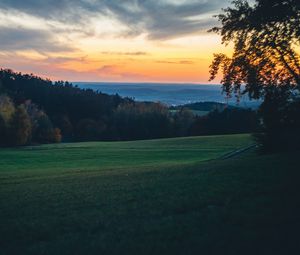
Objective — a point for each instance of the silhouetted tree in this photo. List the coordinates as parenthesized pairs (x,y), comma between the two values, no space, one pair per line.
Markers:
(265,58)
(264,37)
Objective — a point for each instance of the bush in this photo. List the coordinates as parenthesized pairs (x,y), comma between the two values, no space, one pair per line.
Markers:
(280,113)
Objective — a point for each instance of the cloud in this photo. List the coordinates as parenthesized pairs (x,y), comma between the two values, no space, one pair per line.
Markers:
(186,62)
(107,69)
(13,39)
(119,53)
(63,60)
(181,62)
(166,19)
(52,68)
(159,19)
(115,72)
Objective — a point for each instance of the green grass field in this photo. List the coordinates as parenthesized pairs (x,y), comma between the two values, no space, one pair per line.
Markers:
(169,196)
(58,158)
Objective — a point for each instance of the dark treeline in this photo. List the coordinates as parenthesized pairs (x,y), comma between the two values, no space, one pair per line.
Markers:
(205,106)
(35,110)
(228,121)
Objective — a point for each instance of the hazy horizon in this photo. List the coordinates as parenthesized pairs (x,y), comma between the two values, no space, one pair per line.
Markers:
(167,93)
(146,83)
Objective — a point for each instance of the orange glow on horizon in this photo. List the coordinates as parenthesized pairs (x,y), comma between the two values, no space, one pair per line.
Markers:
(106,46)
(184,60)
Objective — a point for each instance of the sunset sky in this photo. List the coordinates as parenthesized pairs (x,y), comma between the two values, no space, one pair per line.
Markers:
(110,40)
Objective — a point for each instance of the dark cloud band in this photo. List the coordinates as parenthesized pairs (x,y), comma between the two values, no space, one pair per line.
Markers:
(158,18)
(29,39)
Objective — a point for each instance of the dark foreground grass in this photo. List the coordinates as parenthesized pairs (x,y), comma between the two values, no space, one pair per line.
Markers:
(244,205)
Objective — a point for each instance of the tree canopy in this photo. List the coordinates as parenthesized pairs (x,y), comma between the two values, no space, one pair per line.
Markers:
(266,41)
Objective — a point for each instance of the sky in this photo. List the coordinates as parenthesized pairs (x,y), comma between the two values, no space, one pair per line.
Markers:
(111,40)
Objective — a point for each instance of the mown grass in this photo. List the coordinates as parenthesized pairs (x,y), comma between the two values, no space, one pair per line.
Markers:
(244,205)
(120,155)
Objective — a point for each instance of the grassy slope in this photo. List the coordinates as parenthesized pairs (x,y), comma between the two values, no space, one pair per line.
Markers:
(244,205)
(116,155)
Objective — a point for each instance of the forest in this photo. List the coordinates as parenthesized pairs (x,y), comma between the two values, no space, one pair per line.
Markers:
(34,110)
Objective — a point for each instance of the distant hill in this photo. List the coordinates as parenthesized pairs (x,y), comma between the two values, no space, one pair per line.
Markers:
(204,106)
(171,94)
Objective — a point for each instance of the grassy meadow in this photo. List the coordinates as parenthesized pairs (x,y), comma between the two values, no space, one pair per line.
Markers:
(168,196)
(74,157)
